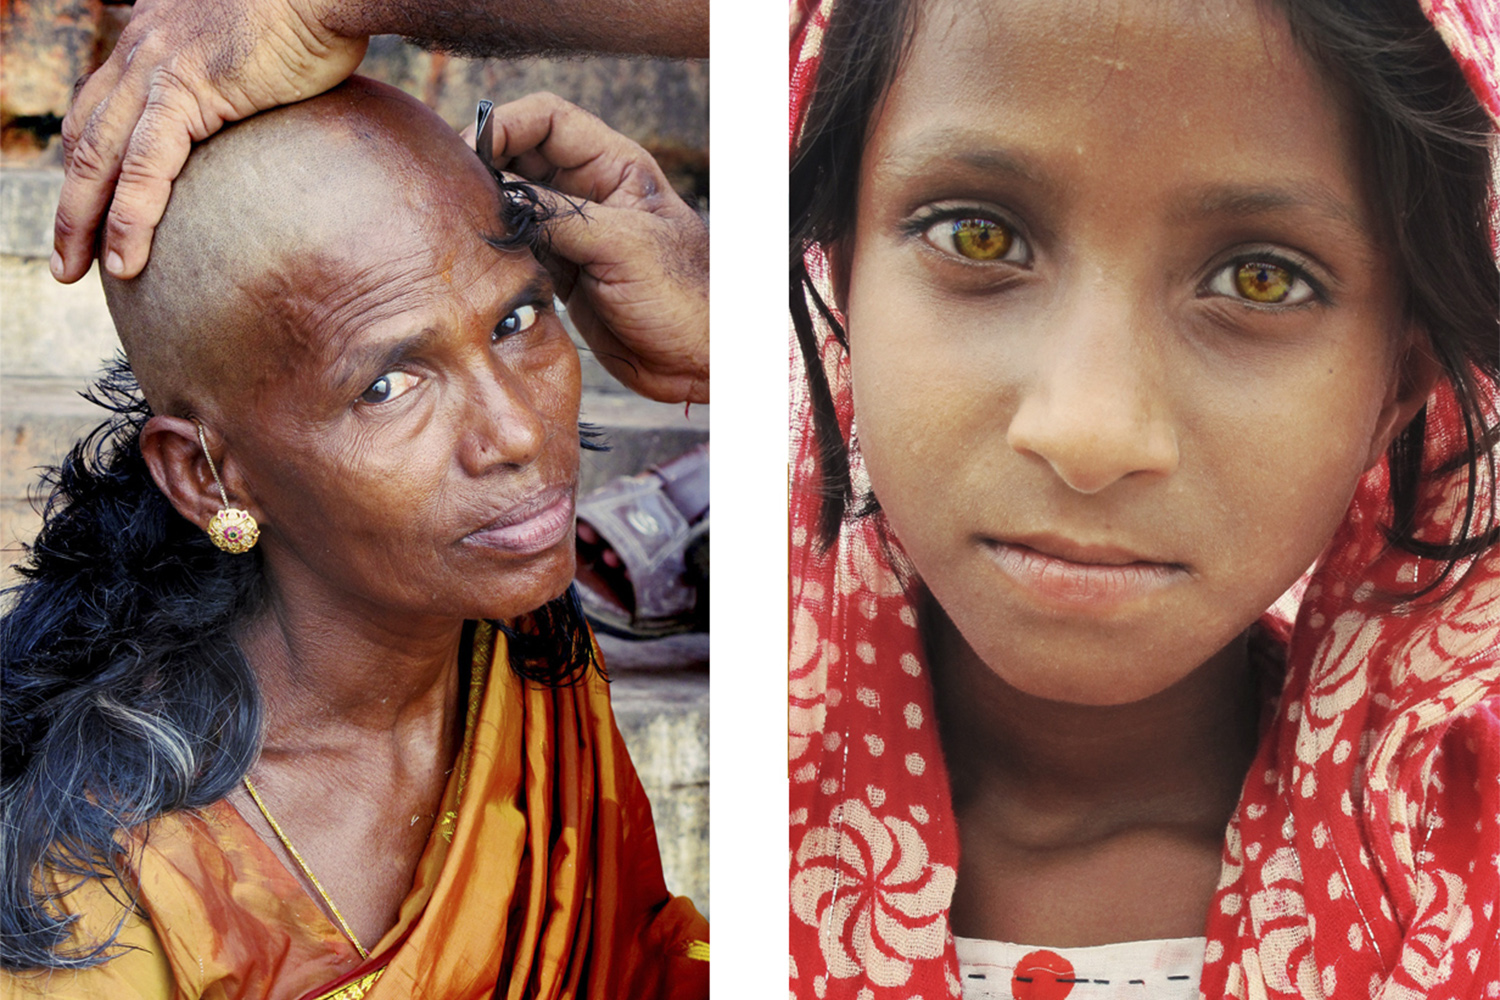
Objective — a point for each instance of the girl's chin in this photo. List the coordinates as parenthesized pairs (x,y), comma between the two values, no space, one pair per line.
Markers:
(1092,695)
(1102,676)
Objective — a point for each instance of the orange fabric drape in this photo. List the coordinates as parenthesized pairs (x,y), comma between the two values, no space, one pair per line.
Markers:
(550,888)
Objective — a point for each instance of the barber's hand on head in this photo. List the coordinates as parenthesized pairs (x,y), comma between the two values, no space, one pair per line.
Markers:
(640,297)
(180,71)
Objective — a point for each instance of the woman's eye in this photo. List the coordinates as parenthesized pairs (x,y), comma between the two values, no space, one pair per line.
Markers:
(388,386)
(1264,282)
(978,239)
(520,319)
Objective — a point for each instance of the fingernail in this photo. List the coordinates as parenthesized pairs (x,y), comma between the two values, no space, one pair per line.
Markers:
(113,263)
(57,264)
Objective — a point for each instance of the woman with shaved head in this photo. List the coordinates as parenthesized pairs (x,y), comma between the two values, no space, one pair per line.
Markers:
(371,755)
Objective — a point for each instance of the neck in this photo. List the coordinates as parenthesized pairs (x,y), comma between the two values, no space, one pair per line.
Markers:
(362,728)
(1049,773)
(336,677)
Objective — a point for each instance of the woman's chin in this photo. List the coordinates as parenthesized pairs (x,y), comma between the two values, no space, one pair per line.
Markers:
(479,584)
(547,582)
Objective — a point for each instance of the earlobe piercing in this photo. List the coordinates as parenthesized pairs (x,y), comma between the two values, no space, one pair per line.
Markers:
(232,528)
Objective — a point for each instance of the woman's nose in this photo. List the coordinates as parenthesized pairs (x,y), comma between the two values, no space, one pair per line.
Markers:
(1094,409)
(502,425)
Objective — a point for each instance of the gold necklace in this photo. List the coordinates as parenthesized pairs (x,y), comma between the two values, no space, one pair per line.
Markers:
(287,843)
(479,669)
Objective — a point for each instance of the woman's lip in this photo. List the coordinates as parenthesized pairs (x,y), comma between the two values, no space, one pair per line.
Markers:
(1093,576)
(531,527)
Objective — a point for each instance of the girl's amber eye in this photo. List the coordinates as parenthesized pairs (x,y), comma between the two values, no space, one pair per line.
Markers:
(981,239)
(1262,281)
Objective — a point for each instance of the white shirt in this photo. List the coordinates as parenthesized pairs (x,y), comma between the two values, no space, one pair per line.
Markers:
(1137,970)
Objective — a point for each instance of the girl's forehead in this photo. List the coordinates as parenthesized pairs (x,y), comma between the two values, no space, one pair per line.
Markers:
(1168,27)
(1167,108)
(1217,85)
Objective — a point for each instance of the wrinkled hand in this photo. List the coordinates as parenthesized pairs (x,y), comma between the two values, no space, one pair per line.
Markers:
(640,297)
(179,73)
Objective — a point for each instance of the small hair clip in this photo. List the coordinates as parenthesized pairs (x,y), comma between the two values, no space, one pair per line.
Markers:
(484,134)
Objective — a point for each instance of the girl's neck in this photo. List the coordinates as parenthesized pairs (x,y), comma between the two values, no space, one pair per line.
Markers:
(1082,824)
(1182,753)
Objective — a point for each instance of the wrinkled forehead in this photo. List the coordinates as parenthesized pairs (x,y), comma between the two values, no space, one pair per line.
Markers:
(398,265)
(379,264)
(285,215)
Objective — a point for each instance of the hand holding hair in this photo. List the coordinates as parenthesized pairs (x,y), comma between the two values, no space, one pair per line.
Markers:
(637,287)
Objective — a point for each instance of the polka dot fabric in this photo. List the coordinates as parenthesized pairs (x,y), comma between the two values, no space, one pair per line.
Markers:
(1363,859)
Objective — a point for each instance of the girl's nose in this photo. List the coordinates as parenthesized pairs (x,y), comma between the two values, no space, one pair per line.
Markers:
(502,425)
(1095,410)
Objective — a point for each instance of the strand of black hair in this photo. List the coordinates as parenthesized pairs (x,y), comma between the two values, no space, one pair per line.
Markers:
(1426,141)
(124,696)
(833,455)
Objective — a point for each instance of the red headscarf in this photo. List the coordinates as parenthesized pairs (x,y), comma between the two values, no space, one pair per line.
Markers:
(1363,858)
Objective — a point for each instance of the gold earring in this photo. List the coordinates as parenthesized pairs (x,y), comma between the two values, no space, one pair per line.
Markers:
(231,529)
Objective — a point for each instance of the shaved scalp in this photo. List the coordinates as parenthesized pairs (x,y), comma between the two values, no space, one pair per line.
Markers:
(253,206)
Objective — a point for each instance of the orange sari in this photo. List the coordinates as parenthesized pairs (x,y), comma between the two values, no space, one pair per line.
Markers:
(541,879)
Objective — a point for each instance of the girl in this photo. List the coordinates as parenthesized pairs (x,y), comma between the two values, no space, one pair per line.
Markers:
(1112,319)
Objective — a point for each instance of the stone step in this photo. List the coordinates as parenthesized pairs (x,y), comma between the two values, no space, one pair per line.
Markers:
(27,200)
(663,717)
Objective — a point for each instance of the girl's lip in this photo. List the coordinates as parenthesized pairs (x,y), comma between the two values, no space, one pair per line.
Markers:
(530,529)
(1111,581)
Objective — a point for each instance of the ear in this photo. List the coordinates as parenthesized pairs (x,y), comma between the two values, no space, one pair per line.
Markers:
(1415,374)
(177,463)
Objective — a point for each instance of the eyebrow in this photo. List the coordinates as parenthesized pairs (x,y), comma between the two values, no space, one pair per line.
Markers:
(968,149)
(1246,200)
(962,148)
(355,363)
(539,287)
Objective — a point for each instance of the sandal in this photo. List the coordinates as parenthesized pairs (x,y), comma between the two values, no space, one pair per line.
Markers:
(643,551)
